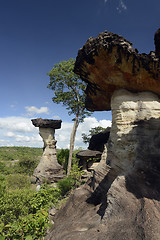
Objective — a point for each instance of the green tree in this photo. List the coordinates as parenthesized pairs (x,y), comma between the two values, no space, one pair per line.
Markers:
(69,90)
(86,137)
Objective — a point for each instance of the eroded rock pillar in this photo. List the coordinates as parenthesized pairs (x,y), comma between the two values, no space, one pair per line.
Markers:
(128,109)
(48,168)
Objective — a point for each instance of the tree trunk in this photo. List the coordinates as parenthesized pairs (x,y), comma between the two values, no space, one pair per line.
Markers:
(72,140)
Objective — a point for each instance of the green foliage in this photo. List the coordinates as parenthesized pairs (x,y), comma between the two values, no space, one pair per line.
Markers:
(86,138)
(76,174)
(68,88)
(19,159)
(65,185)
(71,181)
(14,153)
(2,167)
(27,165)
(2,185)
(24,212)
(62,157)
(17,181)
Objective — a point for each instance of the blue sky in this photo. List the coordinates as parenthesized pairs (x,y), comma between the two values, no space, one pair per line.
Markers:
(36,34)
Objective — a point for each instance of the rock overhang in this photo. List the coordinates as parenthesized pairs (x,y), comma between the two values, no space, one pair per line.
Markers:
(109,62)
(46,123)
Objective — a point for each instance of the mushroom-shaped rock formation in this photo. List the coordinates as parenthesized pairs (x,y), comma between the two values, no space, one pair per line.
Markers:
(96,149)
(122,200)
(109,62)
(48,169)
(85,155)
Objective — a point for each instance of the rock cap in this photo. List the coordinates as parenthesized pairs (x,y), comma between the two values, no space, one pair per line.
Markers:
(89,153)
(46,123)
(109,62)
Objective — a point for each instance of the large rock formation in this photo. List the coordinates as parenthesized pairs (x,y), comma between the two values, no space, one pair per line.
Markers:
(48,168)
(122,200)
(109,62)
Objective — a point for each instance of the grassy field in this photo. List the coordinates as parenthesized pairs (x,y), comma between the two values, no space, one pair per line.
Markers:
(19,159)
(18,153)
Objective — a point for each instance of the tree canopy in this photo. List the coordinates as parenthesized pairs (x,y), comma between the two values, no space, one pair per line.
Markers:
(86,137)
(69,90)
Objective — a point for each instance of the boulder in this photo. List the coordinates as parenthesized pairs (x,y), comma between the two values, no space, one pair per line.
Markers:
(98,140)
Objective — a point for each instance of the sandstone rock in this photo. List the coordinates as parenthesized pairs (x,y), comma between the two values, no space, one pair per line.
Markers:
(48,168)
(122,200)
(46,123)
(89,154)
(127,108)
(97,141)
(85,155)
(109,62)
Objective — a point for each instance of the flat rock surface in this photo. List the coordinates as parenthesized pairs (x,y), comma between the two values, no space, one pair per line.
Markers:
(46,123)
(89,153)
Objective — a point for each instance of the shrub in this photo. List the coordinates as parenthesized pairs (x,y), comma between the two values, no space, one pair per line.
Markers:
(65,185)
(2,185)
(2,167)
(62,157)
(76,174)
(26,165)
(17,181)
(24,212)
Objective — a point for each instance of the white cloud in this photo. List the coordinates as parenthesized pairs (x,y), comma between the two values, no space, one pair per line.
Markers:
(18,124)
(121,6)
(31,110)
(9,134)
(63,134)
(19,131)
(56,117)
(12,106)
(22,138)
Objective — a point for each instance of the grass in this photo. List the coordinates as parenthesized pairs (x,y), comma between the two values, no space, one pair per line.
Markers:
(19,159)
(17,153)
